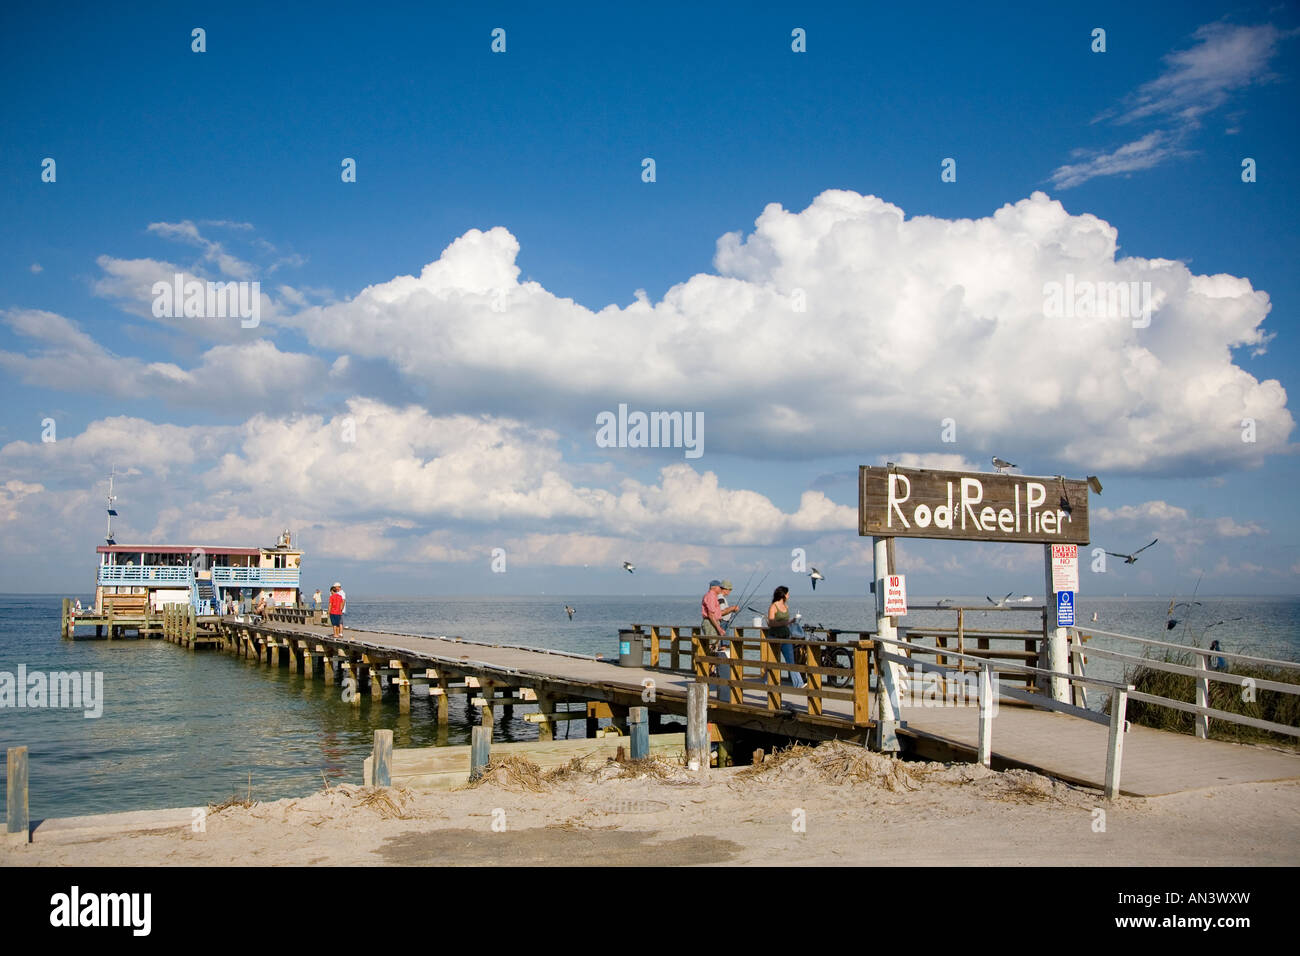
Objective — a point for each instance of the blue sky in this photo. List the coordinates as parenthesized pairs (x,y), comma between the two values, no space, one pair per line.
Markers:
(475,424)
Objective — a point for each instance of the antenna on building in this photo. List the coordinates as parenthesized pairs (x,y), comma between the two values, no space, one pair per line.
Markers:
(112,512)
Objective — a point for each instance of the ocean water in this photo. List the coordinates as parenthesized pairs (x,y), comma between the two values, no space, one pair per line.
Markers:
(182,728)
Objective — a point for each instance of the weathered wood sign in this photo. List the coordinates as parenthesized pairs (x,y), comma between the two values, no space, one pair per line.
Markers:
(973,506)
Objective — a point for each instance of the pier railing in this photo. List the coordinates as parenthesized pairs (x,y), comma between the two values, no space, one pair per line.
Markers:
(893,654)
(752,661)
(826,662)
(137,574)
(234,577)
(1202,670)
(997,644)
(184,576)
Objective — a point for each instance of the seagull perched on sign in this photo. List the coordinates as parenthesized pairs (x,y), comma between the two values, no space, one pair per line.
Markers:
(1132,558)
(629,567)
(816,576)
(1003,602)
(1001,464)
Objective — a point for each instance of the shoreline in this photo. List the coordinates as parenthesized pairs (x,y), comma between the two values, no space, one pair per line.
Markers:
(824,806)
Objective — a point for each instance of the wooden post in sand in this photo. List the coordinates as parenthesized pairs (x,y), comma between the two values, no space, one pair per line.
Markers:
(638,719)
(697,726)
(480,750)
(17,825)
(383,764)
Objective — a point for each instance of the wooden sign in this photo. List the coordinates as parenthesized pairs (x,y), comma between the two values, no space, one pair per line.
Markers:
(971,506)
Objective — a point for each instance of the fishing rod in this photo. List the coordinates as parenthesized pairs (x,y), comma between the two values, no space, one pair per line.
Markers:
(744,601)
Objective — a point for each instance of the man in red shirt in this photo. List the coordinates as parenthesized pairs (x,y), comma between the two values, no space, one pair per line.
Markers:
(338,604)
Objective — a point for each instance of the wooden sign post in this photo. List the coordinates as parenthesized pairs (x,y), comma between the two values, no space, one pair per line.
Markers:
(896,502)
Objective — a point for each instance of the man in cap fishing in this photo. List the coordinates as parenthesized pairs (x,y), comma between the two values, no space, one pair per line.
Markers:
(712,612)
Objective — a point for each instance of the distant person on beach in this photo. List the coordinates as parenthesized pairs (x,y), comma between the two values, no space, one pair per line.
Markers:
(778,628)
(337,606)
(315,599)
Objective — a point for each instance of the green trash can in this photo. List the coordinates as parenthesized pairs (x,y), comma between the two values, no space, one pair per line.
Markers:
(631,645)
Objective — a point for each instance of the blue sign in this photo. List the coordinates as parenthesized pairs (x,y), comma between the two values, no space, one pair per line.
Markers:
(1065,609)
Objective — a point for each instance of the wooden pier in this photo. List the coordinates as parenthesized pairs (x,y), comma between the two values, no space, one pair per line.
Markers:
(753,706)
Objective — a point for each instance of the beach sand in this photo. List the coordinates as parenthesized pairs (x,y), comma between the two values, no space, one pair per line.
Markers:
(832,805)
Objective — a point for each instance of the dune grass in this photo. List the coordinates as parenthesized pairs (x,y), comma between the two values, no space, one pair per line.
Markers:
(1234,697)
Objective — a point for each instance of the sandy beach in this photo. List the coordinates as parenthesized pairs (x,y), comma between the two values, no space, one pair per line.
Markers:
(831,806)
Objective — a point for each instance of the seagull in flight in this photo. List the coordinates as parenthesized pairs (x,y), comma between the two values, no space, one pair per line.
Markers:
(1001,603)
(629,567)
(1132,558)
(569,611)
(1217,623)
(1001,464)
(816,576)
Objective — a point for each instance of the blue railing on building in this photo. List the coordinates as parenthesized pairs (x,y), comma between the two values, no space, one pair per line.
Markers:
(184,576)
(257,577)
(145,574)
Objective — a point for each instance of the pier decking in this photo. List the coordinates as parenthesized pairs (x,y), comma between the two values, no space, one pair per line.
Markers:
(1072,749)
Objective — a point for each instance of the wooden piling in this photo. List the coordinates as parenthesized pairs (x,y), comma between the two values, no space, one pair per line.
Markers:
(546,709)
(67,605)
(697,726)
(638,719)
(383,764)
(444,705)
(403,689)
(17,820)
(480,750)
(487,717)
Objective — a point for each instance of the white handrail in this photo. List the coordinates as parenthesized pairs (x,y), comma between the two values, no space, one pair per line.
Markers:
(1170,668)
(1202,674)
(1119,692)
(1204,652)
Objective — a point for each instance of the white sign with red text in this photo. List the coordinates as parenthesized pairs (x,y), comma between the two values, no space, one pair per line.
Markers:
(895,595)
(1065,567)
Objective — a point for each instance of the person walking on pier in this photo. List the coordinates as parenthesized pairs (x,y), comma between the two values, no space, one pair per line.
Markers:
(315,599)
(337,606)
